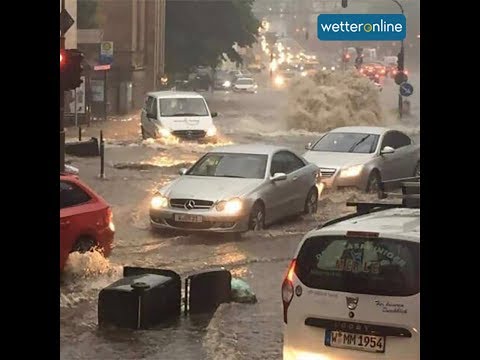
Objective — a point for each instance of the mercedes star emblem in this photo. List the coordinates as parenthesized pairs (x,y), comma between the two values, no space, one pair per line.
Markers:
(190,204)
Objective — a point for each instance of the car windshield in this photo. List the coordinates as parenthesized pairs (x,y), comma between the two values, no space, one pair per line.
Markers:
(183,107)
(377,266)
(244,82)
(249,166)
(347,143)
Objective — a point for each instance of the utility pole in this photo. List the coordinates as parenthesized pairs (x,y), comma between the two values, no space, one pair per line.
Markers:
(62,105)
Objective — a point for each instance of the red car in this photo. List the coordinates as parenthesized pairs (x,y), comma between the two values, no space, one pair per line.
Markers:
(85,219)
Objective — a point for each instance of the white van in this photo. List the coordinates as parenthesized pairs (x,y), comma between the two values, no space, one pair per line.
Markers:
(177,113)
(352,290)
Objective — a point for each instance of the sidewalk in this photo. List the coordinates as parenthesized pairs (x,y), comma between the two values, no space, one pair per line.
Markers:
(121,128)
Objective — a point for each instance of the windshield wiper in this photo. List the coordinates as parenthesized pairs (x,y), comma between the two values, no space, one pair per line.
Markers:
(358,143)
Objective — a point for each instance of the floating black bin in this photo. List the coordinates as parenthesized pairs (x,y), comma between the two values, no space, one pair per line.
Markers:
(140,301)
(85,148)
(204,291)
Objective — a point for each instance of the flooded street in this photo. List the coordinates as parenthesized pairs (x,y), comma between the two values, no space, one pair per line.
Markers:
(134,169)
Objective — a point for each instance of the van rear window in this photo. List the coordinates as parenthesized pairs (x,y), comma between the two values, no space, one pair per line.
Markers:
(377,266)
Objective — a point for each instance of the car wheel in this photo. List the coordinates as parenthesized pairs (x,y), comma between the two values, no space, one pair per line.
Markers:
(417,170)
(257,217)
(84,244)
(374,180)
(311,202)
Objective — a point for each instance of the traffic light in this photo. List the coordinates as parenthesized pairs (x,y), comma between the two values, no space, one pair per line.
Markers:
(70,69)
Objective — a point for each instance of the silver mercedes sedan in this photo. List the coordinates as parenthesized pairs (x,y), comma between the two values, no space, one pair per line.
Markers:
(237,188)
(363,156)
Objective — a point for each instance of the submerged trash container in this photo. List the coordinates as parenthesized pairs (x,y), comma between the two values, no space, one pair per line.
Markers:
(140,301)
(204,291)
(85,148)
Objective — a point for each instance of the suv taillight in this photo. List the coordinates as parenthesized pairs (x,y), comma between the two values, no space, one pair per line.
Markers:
(287,289)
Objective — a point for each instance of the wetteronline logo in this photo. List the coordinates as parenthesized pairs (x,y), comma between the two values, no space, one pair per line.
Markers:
(362,27)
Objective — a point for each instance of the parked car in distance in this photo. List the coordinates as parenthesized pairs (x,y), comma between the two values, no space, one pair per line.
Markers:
(237,188)
(352,290)
(181,114)
(86,220)
(362,156)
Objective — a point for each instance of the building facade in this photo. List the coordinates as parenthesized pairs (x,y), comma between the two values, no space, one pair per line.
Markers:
(136,28)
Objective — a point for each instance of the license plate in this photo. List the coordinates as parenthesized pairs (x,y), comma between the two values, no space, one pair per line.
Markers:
(362,342)
(188,218)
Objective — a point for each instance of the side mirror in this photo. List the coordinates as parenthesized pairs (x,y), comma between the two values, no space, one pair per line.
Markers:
(214,114)
(182,171)
(279,177)
(308,146)
(387,150)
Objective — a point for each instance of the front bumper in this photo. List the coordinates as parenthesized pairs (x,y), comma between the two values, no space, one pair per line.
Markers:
(212,221)
(336,181)
(251,91)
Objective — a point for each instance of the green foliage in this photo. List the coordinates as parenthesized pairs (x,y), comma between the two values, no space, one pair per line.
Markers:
(198,32)
(89,14)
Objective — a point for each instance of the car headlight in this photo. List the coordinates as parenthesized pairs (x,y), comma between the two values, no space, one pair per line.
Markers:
(351,171)
(279,80)
(159,201)
(164,132)
(212,131)
(332,68)
(304,73)
(232,206)
(227,84)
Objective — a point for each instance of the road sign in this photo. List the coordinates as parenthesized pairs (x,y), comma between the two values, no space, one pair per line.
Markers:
(101,67)
(400,78)
(66,21)
(106,52)
(406,89)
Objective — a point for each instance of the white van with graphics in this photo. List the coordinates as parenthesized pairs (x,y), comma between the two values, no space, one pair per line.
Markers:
(177,113)
(352,290)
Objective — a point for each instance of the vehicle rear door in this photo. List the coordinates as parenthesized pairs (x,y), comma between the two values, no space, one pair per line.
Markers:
(359,293)
(300,178)
(390,164)
(278,195)
(406,154)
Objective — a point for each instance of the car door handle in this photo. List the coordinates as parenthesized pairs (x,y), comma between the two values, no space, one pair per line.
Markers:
(64,224)
(295,178)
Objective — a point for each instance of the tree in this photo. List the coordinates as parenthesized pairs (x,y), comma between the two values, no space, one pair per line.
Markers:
(89,14)
(199,32)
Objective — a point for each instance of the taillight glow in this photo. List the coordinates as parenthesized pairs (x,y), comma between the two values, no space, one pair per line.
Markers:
(109,220)
(287,289)
(291,270)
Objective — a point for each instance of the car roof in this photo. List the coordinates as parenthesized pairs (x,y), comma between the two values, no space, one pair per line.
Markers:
(174,94)
(376,130)
(395,222)
(261,149)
